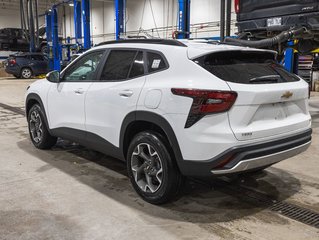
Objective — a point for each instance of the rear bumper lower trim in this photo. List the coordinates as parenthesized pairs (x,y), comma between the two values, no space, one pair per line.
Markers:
(267,160)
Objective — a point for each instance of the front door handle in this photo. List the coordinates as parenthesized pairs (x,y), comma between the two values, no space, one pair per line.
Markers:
(79,91)
(126,93)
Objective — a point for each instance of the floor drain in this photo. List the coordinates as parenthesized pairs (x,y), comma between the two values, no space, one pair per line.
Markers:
(297,213)
(286,209)
(16,110)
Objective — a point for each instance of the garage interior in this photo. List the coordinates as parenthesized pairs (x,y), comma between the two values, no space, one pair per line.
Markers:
(72,192)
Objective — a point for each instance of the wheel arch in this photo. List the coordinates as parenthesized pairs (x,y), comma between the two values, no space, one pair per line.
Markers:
(32,99)
(138,121)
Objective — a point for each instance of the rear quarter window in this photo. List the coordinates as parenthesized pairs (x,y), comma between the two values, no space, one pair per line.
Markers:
(155,62)
(246,67)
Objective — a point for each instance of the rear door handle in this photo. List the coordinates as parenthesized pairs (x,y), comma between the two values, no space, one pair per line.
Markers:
(79,91)
(126,93)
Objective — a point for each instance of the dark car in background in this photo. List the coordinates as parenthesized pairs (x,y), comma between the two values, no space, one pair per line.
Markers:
(14,39)
(257,19)
(26,65)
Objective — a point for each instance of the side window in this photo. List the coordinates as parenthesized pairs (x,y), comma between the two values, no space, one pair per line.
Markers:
(138,66)
(118,65)
(155,62)
(37,58)
(84,69)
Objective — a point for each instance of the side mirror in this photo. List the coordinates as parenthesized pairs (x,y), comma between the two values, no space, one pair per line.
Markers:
(53,77)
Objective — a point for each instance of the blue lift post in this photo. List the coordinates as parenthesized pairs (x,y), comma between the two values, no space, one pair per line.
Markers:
(86,24)
(120,6)
(55,40)
(78,22)
(81,15)
(184,19)
(291,59)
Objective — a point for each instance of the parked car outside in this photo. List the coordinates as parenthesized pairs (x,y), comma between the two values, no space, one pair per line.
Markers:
(26,65)
(172,109)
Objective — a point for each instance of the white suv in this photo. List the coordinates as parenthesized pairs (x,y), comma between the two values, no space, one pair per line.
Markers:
(174,108)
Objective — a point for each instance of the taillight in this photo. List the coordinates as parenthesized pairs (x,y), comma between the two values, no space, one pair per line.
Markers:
(12,61)
(237,8)
(206,102)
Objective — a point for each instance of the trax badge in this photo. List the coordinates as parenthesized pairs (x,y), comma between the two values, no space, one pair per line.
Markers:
(287,95)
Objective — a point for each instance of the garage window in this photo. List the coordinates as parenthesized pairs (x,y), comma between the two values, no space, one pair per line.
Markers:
(36,58)
(122,65)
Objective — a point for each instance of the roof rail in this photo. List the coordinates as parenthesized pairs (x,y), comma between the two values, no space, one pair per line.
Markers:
(146,41)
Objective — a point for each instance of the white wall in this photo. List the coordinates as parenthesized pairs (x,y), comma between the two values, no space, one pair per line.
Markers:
(11,19)
(165,16)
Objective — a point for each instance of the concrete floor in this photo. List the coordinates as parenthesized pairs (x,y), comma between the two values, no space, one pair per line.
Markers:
(72,193)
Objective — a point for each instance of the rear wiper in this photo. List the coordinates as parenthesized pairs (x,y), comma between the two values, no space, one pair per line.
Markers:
(267,78)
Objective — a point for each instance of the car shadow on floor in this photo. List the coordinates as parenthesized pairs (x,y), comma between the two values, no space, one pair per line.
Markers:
(201,202)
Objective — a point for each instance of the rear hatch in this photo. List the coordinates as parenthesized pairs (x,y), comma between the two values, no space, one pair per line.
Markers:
(271,101)
(254,9)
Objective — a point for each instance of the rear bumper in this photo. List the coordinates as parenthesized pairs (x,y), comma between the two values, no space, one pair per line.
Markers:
(13,70)
(249,157)
(308,20)
(255,163)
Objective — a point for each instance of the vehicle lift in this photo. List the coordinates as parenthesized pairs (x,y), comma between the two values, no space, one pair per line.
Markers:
(81,17)
(290,59)
(183,19)
(120,7)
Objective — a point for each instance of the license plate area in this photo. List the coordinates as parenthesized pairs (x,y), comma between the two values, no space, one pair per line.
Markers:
(274,22)
(270,112)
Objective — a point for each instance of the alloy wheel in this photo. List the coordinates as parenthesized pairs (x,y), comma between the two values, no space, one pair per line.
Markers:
(26,73)
(36,126)
(147,168)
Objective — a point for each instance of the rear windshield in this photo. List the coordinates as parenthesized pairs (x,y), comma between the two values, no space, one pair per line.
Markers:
(246,67)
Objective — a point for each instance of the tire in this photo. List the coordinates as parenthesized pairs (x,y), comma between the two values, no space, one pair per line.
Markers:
(38,129)
(26,73)
(44,49)
(149,161)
